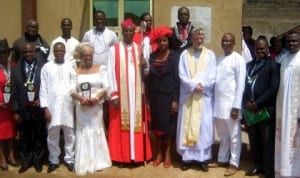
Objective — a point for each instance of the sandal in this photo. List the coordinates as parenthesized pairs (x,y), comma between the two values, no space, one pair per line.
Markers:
(167,164)
(13,163)
(4,168)
(156,163)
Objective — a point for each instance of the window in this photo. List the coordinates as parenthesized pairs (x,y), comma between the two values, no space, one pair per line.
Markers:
(110,7)
(135,8)
(118,10)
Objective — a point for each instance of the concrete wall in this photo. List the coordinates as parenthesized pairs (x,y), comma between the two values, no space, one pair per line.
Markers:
(271,17)
(50,13)
(226,17)
(10,20)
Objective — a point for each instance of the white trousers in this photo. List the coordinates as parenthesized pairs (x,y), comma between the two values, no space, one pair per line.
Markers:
(54,147)
(277,175)
(229,132)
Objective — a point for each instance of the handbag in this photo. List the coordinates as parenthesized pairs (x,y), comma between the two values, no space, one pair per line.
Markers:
(253,118)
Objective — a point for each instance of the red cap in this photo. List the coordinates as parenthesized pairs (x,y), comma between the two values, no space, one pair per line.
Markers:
(128,23)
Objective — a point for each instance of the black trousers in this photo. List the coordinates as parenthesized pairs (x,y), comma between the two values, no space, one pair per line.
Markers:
(32,131)
(262,145)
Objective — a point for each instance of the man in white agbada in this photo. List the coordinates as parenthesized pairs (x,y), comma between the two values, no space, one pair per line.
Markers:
(69,42)
(229,88)
(197,72)
(287,140)
(58,107)
(101,37)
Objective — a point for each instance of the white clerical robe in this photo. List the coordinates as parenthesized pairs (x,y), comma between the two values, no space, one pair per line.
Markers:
(287,142)
(201,151)
(229,88)
(55,93)
(102,41)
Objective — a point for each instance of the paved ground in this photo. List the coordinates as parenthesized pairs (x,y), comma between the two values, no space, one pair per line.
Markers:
(142,171)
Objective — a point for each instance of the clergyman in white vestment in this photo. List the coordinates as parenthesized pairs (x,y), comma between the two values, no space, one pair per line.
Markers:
(197,72)
(287,138)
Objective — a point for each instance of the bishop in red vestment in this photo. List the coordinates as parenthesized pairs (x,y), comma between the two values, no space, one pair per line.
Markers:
(128,138)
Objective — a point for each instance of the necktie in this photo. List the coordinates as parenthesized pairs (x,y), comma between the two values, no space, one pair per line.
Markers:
(28,73)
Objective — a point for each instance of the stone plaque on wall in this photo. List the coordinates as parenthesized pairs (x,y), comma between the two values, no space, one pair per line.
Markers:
(199,16)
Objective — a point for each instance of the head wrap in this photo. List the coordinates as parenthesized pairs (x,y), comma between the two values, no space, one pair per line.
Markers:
(128,23)
(159,32)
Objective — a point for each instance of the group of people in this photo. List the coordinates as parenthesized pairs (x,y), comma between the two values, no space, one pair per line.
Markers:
(159,82)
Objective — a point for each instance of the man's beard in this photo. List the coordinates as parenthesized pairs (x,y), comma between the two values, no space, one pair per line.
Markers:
(198,47)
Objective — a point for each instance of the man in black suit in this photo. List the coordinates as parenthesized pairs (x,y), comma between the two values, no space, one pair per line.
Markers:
(181,36)
(25,85)
(261,87)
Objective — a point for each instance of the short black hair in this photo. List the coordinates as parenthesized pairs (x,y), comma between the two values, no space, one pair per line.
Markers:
(144,15)
(248,28)
(99,11)
(262,38)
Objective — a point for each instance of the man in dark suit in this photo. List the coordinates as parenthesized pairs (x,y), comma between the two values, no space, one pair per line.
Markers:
(31,35)
(181,36)
(25,85)
(261,87)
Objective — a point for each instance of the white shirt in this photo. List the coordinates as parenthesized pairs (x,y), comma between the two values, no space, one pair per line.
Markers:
(56,80)
(70,46)
(102,41)
(230,83)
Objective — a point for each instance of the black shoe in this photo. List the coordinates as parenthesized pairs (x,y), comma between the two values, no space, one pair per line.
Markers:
(120,165)
(254,171)
(38,167)
(185,166)
(24,167)
(52,167)
(70,166)
(203,167)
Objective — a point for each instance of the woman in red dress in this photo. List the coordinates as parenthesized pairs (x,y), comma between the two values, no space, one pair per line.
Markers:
(7,125)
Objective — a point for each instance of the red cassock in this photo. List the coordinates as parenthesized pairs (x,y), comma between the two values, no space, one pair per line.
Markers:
(119,138)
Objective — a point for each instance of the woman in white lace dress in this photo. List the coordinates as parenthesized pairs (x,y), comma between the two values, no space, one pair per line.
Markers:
(89,91)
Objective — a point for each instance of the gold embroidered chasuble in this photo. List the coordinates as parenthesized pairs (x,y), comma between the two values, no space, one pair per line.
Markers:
(192,108)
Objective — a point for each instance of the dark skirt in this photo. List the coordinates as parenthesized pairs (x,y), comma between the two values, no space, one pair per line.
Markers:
(162,121)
